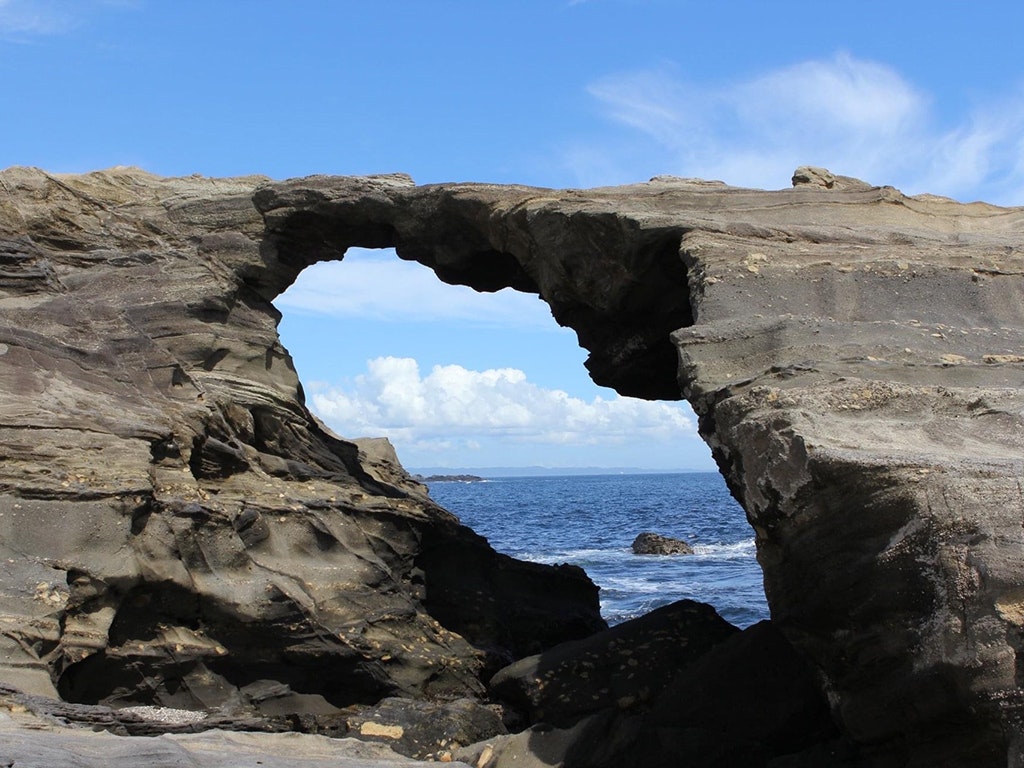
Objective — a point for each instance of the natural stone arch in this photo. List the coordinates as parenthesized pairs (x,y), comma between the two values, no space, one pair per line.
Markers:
(618,307)
(853,355)
(789,313)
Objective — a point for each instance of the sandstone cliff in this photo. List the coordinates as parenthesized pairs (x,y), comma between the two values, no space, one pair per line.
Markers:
(855,357)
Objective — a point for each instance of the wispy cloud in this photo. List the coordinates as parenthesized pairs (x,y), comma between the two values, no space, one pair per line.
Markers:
(23,20)
(377,285)
(452,404)
(856,117)
(34,17)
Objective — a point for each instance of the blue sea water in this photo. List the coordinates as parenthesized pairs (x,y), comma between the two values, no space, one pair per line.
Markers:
(591,521)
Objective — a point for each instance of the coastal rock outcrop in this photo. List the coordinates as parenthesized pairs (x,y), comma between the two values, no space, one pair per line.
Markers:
(854,357)
(727,698)
(177,527)
(622,668)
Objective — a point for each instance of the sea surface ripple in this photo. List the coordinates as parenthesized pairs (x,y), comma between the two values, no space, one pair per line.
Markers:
(591,521)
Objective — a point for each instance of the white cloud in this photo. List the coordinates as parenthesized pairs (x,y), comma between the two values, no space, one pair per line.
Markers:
(844,95)
(22,20)
(452,404)
(377,285)
(857,118)
(34,17)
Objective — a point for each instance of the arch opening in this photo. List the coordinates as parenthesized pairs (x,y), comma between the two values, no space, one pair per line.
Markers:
(384,348)
(464,383)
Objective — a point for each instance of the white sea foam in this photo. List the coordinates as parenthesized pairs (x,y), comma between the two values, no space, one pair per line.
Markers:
(591,521)
(740,549)
(571,556)
(633,585)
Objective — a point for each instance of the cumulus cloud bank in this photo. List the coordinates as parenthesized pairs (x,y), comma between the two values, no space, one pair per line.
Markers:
(856,117)
(453,404)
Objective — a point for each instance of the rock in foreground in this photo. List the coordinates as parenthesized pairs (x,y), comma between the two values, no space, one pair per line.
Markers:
(31,744)
(621,668)
(734,698)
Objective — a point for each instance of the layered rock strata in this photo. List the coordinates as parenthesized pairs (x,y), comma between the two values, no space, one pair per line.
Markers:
(855,357)
(176,529)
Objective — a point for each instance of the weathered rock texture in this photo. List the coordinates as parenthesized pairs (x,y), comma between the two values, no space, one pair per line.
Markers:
(856,360)
(28,742)
(855,357)
(749,701)
(622,668)
(175,528)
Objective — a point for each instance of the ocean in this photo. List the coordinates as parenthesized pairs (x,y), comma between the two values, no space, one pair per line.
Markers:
(591,521)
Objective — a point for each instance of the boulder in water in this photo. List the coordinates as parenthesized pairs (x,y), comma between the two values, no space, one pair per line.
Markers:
(656,544)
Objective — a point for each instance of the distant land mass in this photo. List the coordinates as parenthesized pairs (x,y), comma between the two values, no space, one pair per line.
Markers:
(485,472)
(448,478)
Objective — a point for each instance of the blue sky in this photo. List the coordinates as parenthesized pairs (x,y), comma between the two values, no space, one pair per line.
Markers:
(558,93)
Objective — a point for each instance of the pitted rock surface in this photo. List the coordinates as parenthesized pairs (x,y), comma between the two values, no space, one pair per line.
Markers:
(656,544)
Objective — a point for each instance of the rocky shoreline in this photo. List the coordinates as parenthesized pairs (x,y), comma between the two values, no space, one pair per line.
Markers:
(179,533)
(592,702)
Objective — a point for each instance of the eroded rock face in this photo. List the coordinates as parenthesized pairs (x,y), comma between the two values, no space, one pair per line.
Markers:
(855,357)
(175,527)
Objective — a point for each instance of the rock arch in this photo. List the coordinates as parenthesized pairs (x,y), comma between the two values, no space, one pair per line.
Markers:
(853,354)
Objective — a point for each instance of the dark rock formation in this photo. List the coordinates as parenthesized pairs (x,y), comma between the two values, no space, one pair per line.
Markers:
(748,701)
(426,730)
(854,355)
(175,528)
(623,668)
(734,698)
(656,544)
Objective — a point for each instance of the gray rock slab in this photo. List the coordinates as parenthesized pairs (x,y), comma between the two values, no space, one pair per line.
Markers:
(33,745)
